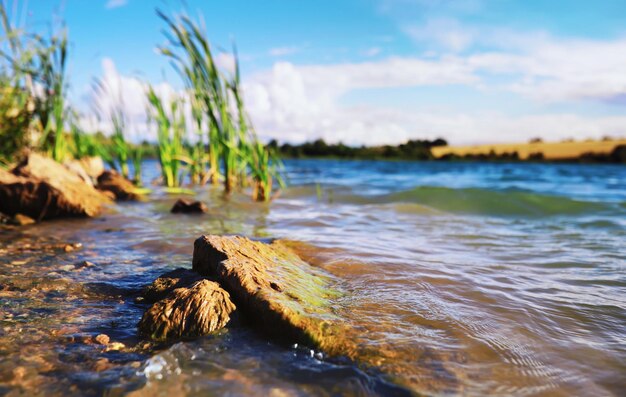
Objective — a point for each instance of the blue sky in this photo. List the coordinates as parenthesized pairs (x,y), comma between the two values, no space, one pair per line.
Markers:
(377,71)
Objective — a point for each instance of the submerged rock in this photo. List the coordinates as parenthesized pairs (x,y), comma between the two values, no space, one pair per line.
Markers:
(41,188)
(168,282)
(186,206)
(122,188)
(283,295)
(197,310)
(295,302)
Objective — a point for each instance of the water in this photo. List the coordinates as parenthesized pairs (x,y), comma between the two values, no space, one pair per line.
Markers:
(462,278)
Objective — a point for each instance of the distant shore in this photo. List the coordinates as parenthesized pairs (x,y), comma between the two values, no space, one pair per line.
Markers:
(599,151)
(549,151)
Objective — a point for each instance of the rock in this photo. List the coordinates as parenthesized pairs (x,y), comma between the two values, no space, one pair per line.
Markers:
(115,346)
(83,265)
(76,167)
(93,166)
(167,282)
(102,339)
(102,365)
(284,296)
(186,206)
(198,310)
(4,219)
(110,195)
(122,188)
(41,188)
(21,220)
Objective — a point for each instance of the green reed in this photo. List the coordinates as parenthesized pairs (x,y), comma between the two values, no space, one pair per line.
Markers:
(260,162)
(198,158)
(83,144)
(36,67)
(136,156)
(234,152)
(170,130)
(17,101)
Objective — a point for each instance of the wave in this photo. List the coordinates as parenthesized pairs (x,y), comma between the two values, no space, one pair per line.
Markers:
(470,201)
(500,203)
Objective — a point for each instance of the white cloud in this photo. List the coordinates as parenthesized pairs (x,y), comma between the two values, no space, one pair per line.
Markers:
(226,62)
(116,3)
(302,103)
(536,64)
(297,103)
(554,70)
(125,93)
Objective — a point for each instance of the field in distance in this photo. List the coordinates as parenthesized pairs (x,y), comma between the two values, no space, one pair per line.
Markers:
(549,150)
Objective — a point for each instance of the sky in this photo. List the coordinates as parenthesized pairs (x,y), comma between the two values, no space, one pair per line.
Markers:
(370,71)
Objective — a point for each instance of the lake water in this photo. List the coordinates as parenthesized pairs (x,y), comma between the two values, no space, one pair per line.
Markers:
(462,279)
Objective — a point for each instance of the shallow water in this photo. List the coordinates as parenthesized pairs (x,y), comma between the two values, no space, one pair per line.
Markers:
(462,279)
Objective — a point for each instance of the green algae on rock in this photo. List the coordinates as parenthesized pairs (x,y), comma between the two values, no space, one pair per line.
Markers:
(284,296)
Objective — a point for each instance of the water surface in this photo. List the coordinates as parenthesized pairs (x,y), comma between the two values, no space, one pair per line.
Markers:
(463,279)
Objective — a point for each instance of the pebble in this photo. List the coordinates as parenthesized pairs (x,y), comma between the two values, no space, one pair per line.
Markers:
(102,339)
(83,265)
(115,346)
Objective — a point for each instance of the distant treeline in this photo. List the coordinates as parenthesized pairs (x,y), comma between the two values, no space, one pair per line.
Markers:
(617,155)
(421,150)
(411,150)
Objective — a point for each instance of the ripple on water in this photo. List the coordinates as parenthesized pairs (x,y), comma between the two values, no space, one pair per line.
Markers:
(458,283)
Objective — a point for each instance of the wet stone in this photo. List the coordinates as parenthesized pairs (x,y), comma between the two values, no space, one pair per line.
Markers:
(186,206)
(197,310)
(21,220)
(102,339)
(168,282)
(283,296)
(115,184)
(41,188)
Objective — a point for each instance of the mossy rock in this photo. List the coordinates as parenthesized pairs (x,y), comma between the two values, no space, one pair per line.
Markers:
(280,293)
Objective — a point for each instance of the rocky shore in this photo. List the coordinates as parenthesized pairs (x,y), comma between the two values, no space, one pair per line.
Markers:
(232,282)
(277,293)
(38,188)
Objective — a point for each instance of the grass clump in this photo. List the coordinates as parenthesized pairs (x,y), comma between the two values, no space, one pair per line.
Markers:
(235,155)
(170,122)
(33,81)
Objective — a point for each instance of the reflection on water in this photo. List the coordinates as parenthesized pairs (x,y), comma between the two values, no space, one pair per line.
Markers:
(473,279)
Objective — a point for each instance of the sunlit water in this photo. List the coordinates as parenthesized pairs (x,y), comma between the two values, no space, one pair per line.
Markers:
(462,279)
